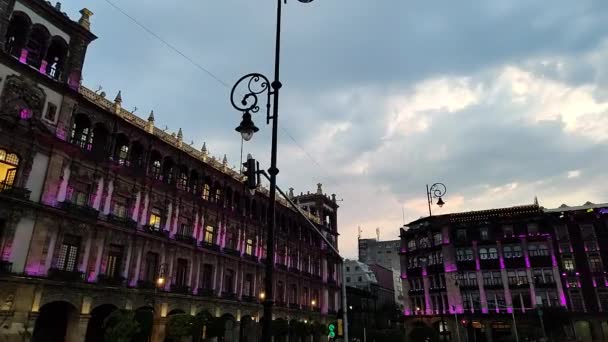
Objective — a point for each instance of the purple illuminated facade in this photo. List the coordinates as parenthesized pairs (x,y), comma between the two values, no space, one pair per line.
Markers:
(503,261)
(101,210)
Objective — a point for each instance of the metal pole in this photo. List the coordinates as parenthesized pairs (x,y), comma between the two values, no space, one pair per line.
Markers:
(542,324)
(514,325)
(273,171)
(344,305)
(457,326)
(428,199)
(364,335)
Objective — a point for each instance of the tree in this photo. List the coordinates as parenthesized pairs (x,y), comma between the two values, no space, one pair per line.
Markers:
(424,333)
(180,325)
(555,319)
(120,326)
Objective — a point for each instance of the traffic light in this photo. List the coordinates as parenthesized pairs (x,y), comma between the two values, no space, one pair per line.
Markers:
(250,173)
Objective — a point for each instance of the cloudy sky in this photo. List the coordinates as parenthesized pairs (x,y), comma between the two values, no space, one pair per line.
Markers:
(500,100)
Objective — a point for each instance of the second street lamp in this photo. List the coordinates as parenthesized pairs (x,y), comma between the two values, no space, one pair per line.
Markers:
(435,191)
(254,85)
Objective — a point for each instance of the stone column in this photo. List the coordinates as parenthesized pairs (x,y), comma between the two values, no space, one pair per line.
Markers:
(139,251)
(48,263)
(100,246)
(197,278)
(98,192)
(169,270)
(125,271)
(63,186)
(108,199)
(143,220)
(524,247)
(84,266)
(135,211)
(169,216)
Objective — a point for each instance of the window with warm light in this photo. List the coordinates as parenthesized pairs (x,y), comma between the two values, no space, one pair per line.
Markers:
(119,210)
(206,190)
(249,247)
(568,264)
(123,155)
(155,169)
(155,218)
(9,162)
(113,262)
(209,235)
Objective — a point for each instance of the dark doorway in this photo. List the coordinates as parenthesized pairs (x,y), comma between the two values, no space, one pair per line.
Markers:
(55,322)
(95,328)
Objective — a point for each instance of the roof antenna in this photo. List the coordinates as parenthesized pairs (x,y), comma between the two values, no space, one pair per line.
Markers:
(403,213)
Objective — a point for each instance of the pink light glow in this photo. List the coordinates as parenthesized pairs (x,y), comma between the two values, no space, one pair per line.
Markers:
(25,113)
(594,283)
(404,276)
(407,312)
(509,310)
(502,263)
(527,261)
(43,65)
(23,57)
(562,299)
(424,272)
(553,260)
(484,310)
(450,267)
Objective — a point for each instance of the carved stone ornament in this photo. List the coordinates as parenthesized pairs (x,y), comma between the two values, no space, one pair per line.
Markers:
(20,91)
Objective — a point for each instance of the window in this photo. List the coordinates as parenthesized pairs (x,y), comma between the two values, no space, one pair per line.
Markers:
(68,254)
(484,235)
(151,267)
(249,247)
(113,263)
(181,274)
(587,231)
(507,231)
(492,253)
(411,245)
(182,181)
(483,253)
(123,155)
(507,252)
(576,299)
(348,279)
(155,169)
(517,252)
(562,232)
(207,281)
(228,281)
(206,190)
(568,264)
(359,279)
(437,239)
(460,255)
(9,163)
(155,219)
(209,235)
(119,210)
(424,242)
(522,277)
(185,229)
(595,264)
(347,268)
(532,228)
(248,285)
(469,254)
(564,247)
(461,234)
(51,112)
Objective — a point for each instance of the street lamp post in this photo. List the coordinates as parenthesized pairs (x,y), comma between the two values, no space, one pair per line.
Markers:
(257,84)
(435,191)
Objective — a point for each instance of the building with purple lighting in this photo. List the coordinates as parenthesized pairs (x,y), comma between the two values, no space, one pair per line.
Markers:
(100,210)
(478,271)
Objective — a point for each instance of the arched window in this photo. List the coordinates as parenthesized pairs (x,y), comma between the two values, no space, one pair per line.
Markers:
(37,45)
(517,251)
(492,253)
(55,57)
(16,33)
(168,171)
(9,163)
(182,181)
(81,132)
(121,153)
(507,252)
(99,140)
(155,165)
(206,191)
(483,253)
(437,239)
(137,155)
(411,245)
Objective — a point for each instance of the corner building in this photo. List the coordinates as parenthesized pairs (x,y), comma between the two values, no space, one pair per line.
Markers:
(98,205)
(481,270)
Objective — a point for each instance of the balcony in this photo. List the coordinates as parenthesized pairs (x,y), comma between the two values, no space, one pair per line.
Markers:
(103,279)
(145,285)
(156,231)
(71,276)
(249,299)
(188,239)
(14,192)
(232,251)
(229,295)
(210,246)
(6,267)
(205,292)
(78,210)
(123,221)
(183,289)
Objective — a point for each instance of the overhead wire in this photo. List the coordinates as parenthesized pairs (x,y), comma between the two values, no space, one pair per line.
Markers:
(209,73)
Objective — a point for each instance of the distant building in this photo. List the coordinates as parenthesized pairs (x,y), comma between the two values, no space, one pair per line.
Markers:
(373,278)
(385,253)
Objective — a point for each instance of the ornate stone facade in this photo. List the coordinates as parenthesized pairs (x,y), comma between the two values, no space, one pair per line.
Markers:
(100,210)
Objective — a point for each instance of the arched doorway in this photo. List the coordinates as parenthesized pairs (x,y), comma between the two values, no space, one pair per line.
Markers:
(228,321)
(17,32)
(57,322)
(95,328)
(248,329)
(145,318)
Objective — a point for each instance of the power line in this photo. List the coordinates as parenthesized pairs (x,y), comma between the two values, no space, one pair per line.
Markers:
(203,69)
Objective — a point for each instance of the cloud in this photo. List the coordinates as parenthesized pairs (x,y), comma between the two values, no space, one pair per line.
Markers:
(501,101)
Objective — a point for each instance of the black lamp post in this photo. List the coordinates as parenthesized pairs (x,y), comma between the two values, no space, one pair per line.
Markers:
(255,84)
(435,191)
